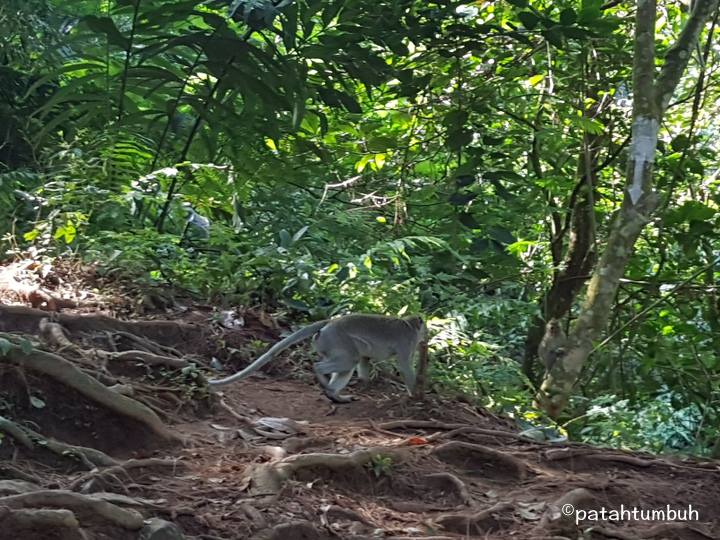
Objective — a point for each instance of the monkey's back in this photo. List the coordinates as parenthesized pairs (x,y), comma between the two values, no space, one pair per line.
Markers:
(368,335)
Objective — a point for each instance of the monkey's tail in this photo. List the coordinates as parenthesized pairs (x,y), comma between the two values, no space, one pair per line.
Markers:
(276,349)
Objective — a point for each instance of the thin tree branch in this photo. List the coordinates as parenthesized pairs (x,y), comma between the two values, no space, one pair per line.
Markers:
(678,55)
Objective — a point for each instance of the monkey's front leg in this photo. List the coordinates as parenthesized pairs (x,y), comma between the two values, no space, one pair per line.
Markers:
(407,372)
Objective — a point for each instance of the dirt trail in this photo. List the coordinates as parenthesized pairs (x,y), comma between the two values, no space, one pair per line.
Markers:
(438,487)
(105,423)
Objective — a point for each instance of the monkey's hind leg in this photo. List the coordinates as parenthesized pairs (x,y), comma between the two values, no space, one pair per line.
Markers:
(363,370)
(341,366)
(338,381)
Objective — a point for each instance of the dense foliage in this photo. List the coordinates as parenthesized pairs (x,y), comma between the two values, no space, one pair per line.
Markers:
(335,155)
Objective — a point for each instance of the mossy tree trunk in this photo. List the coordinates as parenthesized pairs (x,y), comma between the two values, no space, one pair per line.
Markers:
(651,96)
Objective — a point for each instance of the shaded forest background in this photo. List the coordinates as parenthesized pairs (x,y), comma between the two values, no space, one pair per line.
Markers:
(462,160)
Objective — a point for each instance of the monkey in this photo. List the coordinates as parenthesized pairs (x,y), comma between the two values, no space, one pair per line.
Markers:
(553,344)
(347,344)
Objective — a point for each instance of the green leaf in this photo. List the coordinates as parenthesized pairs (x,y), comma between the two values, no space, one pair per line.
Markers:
(397,46)
(350,103)
(528,19)
(590,11)
(285,239)
(153,72)
(591,125)
(298,235)
(492,141)
(554,36)
(468,220)
(461,199)
(696,211)
(460,138)
(381,143)
(680,143)
(481,245)
(519,3)
(455,119)
(320,52)
(296,304)
(31,235)
(67,69)
(343,274)
(501,235)
(329,96)
(575,32)
(535,79)
(695,166)
(331,11)
(464,180)
(568,16)
(689,212)
(701,228)
(105,25)
(289,26)
(77,111)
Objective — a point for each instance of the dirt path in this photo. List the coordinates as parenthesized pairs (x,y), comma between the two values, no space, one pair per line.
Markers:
(439,488)
(105,424)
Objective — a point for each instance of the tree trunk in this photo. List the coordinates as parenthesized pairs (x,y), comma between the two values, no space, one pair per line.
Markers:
(650,100)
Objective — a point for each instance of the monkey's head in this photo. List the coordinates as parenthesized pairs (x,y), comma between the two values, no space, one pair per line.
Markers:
(553,328)
(417,323)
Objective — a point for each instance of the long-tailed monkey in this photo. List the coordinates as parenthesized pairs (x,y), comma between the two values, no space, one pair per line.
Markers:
(346,344)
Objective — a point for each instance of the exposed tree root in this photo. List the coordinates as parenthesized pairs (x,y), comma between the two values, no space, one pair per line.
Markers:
(558,454)
(142,343)
(145,357)
(127,519)
(31,439)
(337,513)
(659,531)
(26,320)
(268,478)
(573,453)
(13,487)
(37,519)
(420,424)
(297,530)
(449,430)
(554,521)
(480,459)
(413,507)
(16,432)
(65,372)
(245,419)
(89,482)
(421,538)
(9,471)
(445,479)
(54,334)
(478,523)
(472,430)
